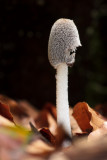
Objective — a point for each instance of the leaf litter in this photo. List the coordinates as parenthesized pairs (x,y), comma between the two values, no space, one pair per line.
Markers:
(29,134)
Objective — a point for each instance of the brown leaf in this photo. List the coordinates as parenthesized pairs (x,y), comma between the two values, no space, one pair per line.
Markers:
(74,125)
(29,109)
(51,109)
(99,133)
(82,134)
(42,119)
(83,150)
(47,118)
(82,116)
(48,135)
(97,120)
(22,111)
(38,135)
(87,118)
(5,122)
(14,107)
(38,147)
(31,112)
(5,111)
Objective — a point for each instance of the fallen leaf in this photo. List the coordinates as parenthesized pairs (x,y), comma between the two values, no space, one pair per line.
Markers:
(13,106)
(5,122)
(38,135)
(42,139)
(97,120)
(42,119)
(58,156)
(51,109)
(5,111)
(21,111)
(38,147)
(87,118)
(47,118)
(12,142)
(48,135)
(82,116)
(74,125)
(83,150)
(99,133)
(31,114)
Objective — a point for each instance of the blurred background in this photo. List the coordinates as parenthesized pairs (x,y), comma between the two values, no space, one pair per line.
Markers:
(25,72)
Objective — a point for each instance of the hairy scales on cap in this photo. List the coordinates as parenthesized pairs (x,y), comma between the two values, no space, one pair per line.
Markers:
(63,40)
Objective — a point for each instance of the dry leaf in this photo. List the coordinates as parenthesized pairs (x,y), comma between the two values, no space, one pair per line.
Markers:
(39,135)
(87,118)
(5,111)
(12,141)
(38,143)
(31,114)
(83,150)
(5,122)
(51,109)
(21,111)
(38,147)
(82,116)
(58,156)
(97,120)
(74,125)
(99,133)
(47,118)
(48,135)
(13,106)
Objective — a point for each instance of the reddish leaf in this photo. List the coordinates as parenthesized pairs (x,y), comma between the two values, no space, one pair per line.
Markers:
(59,140)
(82,116)
(51,109)
(5,111)
(74,125)
(82,134)
(22,111)
(47,118)
(48,135)
(42,119)
(87,118)
(15,109)
(97,120)
(38,135)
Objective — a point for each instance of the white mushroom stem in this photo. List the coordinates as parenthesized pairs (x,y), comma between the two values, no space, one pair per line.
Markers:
(62,105)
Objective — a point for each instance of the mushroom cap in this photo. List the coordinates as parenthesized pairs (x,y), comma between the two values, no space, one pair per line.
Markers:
(63,41)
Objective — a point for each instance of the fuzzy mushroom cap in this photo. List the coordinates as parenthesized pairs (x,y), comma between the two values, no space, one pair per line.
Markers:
(63,41)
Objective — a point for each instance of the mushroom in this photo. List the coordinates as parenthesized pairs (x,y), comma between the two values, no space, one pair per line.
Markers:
(63,41)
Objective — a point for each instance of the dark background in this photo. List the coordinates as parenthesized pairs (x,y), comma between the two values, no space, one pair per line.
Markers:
(25,72)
